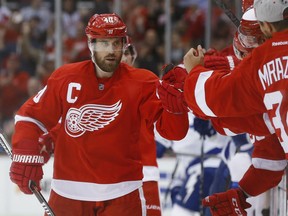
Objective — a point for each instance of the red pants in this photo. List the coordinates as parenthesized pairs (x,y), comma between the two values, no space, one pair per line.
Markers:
(132,204)
(151,194)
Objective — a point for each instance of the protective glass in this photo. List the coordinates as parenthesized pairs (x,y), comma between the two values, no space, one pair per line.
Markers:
(106,44)
(239,50)
(247,41)
(240,54)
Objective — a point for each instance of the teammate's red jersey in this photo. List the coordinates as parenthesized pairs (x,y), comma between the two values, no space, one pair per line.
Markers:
(268,159)
(97,153)
(256,86)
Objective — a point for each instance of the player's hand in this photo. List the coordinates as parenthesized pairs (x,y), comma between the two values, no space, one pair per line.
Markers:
(27,161)
(172,98)
(203,127)
(193,58)
(174,75)
(220,62)
(232,203)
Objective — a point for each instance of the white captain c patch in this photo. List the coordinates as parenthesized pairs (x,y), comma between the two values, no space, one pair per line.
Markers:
(90,117)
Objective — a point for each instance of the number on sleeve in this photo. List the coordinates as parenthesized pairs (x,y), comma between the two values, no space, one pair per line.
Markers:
(278,116)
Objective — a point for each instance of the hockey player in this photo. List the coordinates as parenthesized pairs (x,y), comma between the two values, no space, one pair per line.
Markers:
(189,184)
(268,155)
(102,104)
(260,83)
(259,80)
(268,159)
(147,143)
(130,52)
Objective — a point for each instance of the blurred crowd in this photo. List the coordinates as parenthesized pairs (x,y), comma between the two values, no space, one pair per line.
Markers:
(27,39)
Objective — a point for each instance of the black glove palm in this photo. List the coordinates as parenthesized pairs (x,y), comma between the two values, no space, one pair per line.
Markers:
(204,127)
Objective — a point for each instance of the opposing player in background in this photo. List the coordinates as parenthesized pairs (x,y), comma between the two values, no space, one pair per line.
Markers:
(102,104)
(195,170)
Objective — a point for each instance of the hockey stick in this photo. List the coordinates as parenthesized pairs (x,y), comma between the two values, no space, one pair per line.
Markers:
(32,184)
(201,178)
(228,12)
(197,155)
(171,181)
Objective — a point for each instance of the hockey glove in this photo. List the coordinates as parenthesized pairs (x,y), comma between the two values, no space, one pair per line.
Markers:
(232,203)
(27,161)
(172,98)
(204,127)
(174,75)
(220,62)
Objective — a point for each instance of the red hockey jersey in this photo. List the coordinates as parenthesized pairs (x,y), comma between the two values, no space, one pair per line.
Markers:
(268,159)
(97,154)
(258,85)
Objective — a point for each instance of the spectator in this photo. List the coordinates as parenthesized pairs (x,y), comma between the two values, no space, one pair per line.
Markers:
(13,91)
(45,68)
(9,33)
(101,6)
(31,44)
(76,49)
(70,17)
(36,8)
(13,86)
(149,53)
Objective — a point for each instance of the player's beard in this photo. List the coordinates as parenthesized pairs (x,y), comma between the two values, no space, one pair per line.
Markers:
(108,63)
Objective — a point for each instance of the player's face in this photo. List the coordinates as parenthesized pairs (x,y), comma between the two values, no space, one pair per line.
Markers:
(107,53)
(127,57)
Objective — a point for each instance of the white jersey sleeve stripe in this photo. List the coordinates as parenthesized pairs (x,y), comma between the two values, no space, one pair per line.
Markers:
(200,93)
(272,165)
(28,119)
(231,62)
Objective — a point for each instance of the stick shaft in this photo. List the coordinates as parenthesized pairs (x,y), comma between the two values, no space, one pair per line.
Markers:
(201,178)
(228,12)
(5,145)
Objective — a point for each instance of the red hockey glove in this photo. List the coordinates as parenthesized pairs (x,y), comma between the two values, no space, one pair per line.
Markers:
(27,161)
(174,75)
(220,62)
(232,202)
(212,51)
(172,98)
